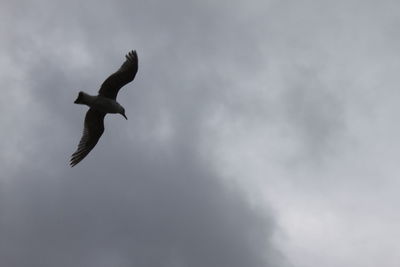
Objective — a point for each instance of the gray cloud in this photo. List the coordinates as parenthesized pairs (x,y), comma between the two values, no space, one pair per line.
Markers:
(147,195)
(315,113)
(162,210)
(259,133)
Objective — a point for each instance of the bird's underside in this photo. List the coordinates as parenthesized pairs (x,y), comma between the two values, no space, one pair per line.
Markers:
(94,119)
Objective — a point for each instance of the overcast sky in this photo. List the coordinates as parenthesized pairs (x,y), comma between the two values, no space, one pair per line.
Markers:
(260,134)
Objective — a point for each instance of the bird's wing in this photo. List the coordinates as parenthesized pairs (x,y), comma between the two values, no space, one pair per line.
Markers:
(92,131)
(125,74)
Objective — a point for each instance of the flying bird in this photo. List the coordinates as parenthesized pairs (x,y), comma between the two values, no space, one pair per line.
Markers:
(105,102)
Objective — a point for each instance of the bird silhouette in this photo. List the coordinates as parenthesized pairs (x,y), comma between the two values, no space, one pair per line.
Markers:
(105,102)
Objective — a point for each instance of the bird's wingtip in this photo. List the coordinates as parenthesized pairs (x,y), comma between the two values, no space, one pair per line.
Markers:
(132,56)
(72,163)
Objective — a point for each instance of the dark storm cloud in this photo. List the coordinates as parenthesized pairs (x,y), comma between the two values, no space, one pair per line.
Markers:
(137,200)
(162,210)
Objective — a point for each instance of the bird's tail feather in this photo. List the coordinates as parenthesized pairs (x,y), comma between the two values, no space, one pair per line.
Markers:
(80,99)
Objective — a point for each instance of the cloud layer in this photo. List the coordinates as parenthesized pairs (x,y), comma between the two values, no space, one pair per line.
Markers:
(148,194)
(260,133)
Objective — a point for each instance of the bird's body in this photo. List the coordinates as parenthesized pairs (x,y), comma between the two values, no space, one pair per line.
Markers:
(100,103)
(105,102)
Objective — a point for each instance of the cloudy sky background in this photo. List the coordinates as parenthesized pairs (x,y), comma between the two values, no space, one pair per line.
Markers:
(260,133)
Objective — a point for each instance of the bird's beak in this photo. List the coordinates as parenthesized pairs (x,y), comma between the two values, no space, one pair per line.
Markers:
(123,114)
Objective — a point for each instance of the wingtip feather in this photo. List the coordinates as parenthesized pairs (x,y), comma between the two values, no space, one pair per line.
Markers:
(132,56)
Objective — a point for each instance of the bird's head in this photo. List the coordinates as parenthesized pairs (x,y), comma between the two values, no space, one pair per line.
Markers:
(122,112)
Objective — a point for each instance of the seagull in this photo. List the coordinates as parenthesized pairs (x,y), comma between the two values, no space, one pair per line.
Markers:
(105,102)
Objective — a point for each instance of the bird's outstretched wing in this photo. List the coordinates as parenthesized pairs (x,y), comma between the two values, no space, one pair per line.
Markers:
(125,74)
(92,131)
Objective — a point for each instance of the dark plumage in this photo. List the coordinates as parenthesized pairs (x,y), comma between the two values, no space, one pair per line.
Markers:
(105,102)
(125,74)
